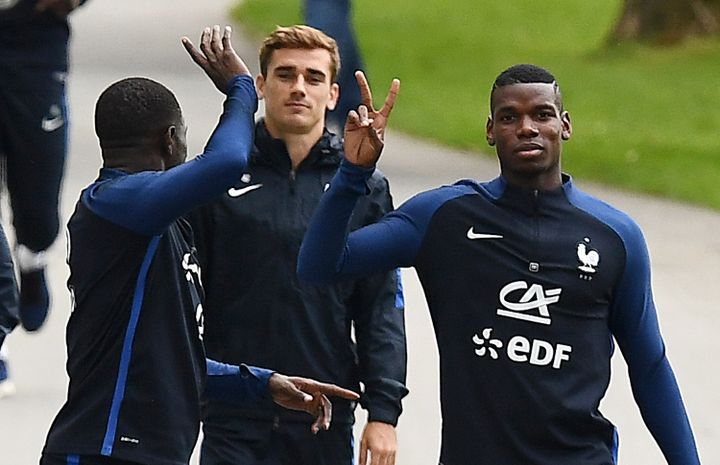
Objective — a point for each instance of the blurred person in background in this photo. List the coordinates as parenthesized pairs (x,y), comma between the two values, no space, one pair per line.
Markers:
(34,36)
(8,310)
(334,18)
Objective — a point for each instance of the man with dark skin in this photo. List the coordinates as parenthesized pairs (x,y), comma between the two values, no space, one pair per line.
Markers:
(530,283)
(137,368)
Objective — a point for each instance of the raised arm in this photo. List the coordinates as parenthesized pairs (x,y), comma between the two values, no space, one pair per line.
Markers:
(148,201)
(635,326)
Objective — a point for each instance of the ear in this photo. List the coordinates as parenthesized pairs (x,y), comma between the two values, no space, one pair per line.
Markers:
(334,96)
(169,142)
(489,131)
(260,86)
(567,126)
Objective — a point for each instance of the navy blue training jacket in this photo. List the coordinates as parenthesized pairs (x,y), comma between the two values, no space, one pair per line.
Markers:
(526,291)
(258,312)
(136,362)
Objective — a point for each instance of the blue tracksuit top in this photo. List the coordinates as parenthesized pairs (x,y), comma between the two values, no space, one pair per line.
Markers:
(526,290)
(136,362)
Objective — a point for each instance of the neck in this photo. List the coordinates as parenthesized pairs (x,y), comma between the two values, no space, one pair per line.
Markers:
(298,144)
(133,159)
(542,182)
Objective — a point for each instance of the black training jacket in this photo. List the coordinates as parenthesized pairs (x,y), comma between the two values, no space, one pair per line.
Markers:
(258,312)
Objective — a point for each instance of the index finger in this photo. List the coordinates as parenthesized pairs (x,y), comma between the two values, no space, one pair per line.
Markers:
(337,391)
(194,53)
(365,93)
(390,99)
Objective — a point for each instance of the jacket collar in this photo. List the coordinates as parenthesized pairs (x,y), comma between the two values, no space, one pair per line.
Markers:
(529,201)
(273,152)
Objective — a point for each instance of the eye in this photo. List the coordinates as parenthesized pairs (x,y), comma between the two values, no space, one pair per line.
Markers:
(545,115)
(315,80)
(507,118)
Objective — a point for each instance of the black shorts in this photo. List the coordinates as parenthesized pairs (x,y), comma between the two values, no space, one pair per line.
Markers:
(232,441)
(73,459)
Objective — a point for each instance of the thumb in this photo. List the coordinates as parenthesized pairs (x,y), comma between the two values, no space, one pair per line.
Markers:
(301,396)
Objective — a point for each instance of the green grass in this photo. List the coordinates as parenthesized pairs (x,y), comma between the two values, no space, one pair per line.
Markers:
(644,119)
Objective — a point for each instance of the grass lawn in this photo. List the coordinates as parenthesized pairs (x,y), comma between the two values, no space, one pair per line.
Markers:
(643,119)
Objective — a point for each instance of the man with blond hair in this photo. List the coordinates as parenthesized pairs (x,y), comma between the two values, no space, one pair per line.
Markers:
(258,312)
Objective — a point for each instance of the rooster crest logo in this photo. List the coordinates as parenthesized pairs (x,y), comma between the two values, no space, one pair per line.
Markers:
(588,257)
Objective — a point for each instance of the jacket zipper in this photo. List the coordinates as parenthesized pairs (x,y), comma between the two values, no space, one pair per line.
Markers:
(291,181)
(534,265)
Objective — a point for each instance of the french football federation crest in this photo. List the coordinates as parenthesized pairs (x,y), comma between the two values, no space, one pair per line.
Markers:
(589,258)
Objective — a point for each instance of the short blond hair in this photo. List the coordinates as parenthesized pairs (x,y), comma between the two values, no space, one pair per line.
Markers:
(303,37)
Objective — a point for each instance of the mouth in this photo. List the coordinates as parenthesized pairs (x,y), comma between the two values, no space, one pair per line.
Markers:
(297,105)
(529,150)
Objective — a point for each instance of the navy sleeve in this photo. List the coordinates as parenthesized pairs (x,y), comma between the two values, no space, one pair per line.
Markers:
(634,324)
(377,307)
(236,384)
(147,202)
(329,254)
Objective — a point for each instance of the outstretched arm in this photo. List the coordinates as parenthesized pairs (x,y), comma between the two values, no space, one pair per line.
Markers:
(232,383)
(307,395)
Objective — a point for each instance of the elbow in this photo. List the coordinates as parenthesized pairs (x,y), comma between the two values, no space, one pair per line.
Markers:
(310,271)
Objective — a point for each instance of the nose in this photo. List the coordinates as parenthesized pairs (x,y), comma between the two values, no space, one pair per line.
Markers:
(298,85)
(527,128)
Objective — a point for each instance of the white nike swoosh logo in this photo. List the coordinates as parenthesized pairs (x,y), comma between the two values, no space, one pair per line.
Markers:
(471,234)
(232,192)
(51,124)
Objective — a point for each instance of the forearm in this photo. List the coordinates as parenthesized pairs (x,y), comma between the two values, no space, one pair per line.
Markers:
(382,348)
(323,247)
(236,384)
(658,396)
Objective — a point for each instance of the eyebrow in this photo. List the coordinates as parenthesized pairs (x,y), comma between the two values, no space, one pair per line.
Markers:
(541,106)
(311,71)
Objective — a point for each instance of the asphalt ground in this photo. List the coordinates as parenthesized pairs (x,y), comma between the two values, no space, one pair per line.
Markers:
(113,40)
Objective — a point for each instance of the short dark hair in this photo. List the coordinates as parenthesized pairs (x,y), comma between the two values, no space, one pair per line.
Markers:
(526,74)
(134,108)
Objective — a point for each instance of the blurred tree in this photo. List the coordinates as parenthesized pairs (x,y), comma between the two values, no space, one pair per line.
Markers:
(666,21)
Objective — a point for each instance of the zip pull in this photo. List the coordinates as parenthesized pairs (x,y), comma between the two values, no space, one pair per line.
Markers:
(536,200)
(291,180)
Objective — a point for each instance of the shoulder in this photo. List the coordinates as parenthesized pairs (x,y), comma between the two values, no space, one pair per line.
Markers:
(428,202)
(617,220)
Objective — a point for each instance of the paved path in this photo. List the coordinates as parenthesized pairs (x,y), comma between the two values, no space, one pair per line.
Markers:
(133,37)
